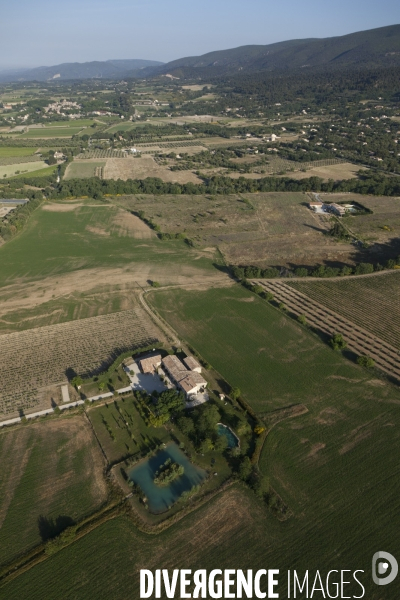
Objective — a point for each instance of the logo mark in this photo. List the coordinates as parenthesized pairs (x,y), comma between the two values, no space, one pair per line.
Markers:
(384,563)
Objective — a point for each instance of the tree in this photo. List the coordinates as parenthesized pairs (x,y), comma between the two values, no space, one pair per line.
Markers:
(170,402)
(235,393)
(337,342)
(302,319)
(102,386)
(76,381)
(186,425)
(245,469)
(261,486)
(365,361)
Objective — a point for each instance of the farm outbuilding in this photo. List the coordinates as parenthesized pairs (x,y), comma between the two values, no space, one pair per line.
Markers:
(150,364)
(192,364)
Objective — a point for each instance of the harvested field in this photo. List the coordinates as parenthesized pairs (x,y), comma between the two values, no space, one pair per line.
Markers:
(358,339)
(52,475)
(336,172)
(81,169)
(349,298)
(35,359)
(140,168)
(262,229)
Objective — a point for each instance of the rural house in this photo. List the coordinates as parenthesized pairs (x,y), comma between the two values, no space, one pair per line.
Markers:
(189,381)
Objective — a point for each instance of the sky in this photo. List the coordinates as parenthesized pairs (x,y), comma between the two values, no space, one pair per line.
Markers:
(50,32)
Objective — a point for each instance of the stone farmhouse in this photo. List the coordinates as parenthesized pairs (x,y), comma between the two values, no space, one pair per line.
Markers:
(186,377)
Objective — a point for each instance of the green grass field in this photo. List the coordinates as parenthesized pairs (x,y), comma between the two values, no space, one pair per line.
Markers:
(25,169)
(50,470)
(85,236)
(232,531)
(6,152)
(272,359)
(51,132)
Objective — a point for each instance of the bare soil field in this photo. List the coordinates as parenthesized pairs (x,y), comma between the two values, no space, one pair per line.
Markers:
(269,229)
(335,172)
(35,359)
(140,168)
(349,297)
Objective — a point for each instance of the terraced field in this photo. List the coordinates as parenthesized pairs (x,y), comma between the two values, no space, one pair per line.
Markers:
(34,360)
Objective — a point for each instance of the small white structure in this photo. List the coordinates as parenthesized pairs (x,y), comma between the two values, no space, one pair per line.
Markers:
(65,393)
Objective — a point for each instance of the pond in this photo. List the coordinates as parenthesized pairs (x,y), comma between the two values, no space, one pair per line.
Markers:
(160,498)
(233,441)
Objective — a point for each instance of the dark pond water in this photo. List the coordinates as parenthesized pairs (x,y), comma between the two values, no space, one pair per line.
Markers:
(160,498)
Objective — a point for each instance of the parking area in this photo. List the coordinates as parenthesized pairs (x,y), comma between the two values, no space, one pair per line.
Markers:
(146,382)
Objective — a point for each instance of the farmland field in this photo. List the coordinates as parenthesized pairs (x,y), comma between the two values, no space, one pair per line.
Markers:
(51,470)
(27,168)
(38,359)
(349,298)
(82,169)
(72,236)
(140,168)
(262,229)
(51,132)
(6,152)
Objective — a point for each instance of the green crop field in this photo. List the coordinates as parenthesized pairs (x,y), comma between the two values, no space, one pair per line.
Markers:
(6,152)
(272,359)
(23,168)
(62,238)
(233,531)
(51,132)
(50,470)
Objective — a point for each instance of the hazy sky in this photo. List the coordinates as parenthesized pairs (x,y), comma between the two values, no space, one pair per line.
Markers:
(48,32)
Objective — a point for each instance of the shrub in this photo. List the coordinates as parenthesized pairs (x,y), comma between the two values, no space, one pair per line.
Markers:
(365,361)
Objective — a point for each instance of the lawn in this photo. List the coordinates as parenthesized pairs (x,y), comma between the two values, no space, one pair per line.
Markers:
(50,470)
(121,419)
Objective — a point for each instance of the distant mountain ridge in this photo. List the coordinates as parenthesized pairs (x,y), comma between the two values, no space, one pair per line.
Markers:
(110,69)
(370,49)
(374,48)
